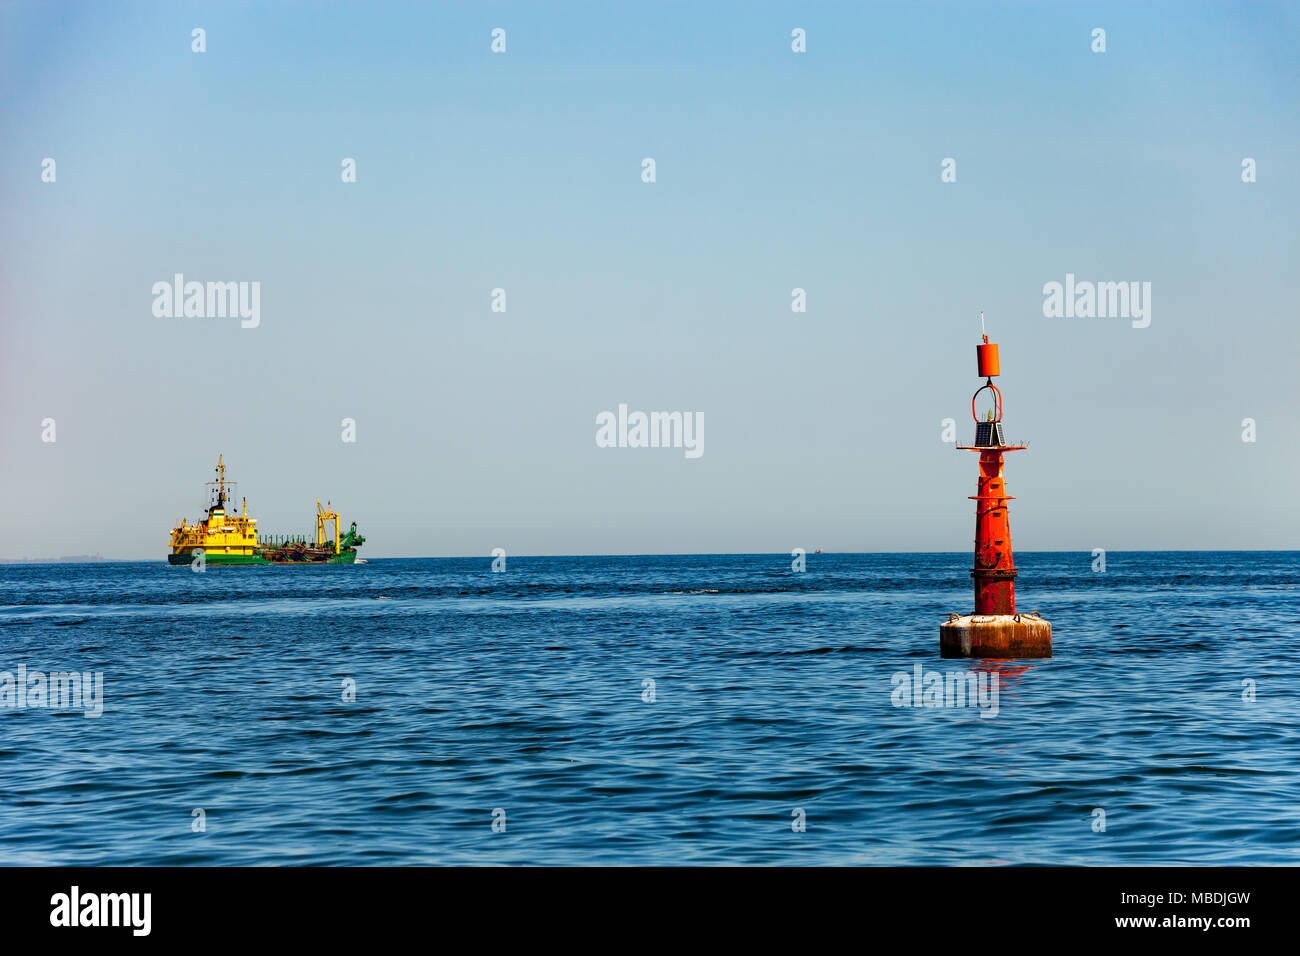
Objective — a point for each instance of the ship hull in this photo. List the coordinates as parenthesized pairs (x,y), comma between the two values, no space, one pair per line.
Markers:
(346,557)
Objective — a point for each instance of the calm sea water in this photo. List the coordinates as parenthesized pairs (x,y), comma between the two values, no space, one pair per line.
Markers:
(525,692)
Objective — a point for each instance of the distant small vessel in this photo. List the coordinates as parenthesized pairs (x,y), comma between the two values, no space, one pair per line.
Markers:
(232,538)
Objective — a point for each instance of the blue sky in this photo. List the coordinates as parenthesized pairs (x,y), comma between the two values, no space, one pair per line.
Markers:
(774,171)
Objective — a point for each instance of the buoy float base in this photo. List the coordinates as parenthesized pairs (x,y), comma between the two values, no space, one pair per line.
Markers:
(995,635)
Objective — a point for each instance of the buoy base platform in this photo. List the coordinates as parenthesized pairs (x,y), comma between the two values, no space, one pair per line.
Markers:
(995,635)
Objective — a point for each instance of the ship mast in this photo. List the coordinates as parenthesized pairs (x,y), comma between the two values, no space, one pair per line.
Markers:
(221,485)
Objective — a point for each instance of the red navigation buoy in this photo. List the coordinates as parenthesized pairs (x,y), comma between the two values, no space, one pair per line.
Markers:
(995,629)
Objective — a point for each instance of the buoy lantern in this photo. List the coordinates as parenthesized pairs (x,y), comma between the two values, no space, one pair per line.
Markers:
(995,629)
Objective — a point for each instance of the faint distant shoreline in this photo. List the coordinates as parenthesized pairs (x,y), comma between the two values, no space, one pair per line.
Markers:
(67,559)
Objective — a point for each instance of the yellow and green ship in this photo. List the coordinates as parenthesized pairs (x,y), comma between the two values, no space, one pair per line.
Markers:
(230,537)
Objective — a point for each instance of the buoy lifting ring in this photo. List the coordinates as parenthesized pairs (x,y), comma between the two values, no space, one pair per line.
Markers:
(997,402)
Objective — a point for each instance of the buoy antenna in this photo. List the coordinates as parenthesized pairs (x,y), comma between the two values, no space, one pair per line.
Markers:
(982,332)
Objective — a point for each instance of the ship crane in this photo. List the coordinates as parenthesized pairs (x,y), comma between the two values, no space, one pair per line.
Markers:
(324,515)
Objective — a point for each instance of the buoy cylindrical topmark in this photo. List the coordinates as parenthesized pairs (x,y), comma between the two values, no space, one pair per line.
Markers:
(986,357)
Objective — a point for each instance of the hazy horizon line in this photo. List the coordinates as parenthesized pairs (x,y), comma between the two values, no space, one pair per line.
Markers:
(682,554)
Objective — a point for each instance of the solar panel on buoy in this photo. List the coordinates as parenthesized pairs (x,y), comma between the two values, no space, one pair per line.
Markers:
(989,435)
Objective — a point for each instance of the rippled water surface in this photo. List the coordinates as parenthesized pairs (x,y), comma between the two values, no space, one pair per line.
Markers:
(773,693)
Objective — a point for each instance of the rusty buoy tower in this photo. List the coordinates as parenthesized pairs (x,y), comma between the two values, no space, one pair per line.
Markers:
(995,629)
